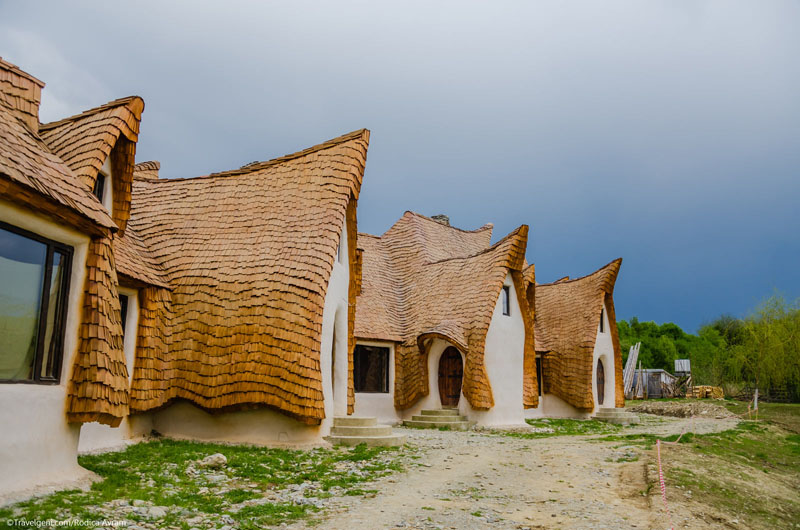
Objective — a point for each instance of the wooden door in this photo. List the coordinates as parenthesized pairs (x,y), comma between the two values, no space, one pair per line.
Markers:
(451,373)
(601,382)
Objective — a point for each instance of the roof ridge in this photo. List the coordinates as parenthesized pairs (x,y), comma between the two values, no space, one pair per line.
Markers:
(562,281)
(19,71)
(487,226)
(492,248)
(150,164)
(111,104)
(257,166)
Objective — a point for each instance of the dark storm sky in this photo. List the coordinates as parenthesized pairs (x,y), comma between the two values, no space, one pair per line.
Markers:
(667,133)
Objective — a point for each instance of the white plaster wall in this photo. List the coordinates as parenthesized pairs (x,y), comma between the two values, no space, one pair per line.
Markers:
(98,437)
(379,405)
(184,421)
(604,349)
(264,426)
(38,447)
(552,406)
(504,358)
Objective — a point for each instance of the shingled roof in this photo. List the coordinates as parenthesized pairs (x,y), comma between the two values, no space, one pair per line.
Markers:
(36,177)
(424,279)
(270,230)
(566,320)
(86,140)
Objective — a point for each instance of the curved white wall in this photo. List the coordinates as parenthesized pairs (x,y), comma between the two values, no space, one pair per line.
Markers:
(504,358)
(377,404)
(38,446)
(604,349)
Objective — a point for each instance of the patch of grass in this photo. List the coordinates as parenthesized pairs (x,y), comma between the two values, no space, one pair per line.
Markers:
(428,508)
(161,473)
(262,515)
(477,513)
(565,427)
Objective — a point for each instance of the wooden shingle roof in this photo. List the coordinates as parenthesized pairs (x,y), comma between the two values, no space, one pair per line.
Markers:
(33,175)
(248,254)
(566,320)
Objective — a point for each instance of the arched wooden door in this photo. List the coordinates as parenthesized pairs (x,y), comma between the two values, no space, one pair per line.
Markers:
(601,382)
(451,373)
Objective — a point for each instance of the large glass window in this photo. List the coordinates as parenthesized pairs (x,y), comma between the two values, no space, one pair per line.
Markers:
(371,369)
(34,276)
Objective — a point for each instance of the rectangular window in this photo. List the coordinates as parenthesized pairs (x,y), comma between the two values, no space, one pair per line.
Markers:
(602,320)
(123,305)
(99,187)
(539,373)
(371,369)
(33,302)
(506,294)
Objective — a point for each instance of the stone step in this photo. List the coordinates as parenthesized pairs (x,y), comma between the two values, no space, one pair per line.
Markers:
(372,441)
(616,416)
(426,417)
(354,421)
(428,424)
(358,430)
(440,412)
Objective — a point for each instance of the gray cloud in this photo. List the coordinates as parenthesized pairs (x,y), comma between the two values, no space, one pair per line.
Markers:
(663,132)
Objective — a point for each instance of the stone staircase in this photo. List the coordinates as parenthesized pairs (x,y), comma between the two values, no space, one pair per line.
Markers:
(443,418)
(618,416)
(352,430)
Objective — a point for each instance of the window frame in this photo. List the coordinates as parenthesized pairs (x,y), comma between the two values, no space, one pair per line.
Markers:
(59,322)
(506,300)
(602,320)
(540,374)
(386,382)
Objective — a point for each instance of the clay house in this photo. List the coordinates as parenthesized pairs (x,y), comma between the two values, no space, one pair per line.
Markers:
(578,357)
(443,321)
(218,308)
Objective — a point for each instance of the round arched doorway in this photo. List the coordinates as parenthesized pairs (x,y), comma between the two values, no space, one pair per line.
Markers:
(601,382)
(451,373)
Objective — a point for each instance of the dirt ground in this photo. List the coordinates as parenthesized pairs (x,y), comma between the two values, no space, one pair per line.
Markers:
(478,480)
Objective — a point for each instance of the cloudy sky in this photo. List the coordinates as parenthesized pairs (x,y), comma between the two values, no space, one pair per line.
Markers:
(667,133)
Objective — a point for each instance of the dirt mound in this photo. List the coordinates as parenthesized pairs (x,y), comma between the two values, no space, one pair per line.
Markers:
(679,409)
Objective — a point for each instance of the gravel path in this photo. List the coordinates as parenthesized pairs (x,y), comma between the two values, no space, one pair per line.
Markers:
(477,480)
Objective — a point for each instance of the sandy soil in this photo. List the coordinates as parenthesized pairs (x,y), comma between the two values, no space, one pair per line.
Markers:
(479,480)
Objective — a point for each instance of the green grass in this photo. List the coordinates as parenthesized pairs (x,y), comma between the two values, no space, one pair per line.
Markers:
(157,472)
(565,427)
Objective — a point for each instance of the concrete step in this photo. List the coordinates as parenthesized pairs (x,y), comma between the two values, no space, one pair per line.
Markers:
(354,421)
(372,441)
(452,425)
(440,412)
(427,417)
(616,416)
(358,430)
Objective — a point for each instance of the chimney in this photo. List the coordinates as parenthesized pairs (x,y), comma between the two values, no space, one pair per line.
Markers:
(147,170)
(22,92)
(441,218)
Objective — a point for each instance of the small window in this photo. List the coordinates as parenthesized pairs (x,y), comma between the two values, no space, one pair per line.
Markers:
(33,303)
(539,373)
(123,306)
(506,294)
(99,187)
(602,320)
(371,369)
